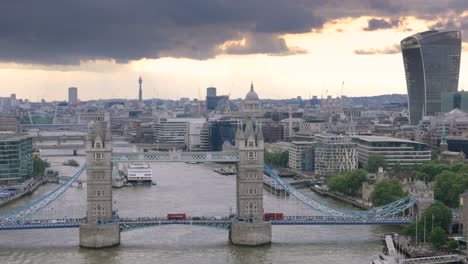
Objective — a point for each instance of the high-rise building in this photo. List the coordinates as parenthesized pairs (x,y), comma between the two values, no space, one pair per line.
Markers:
(432,65)
(72,95)
(215,102)
(210,91)
(140,92)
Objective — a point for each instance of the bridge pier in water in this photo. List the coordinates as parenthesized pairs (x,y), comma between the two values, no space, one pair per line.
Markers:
(250,229)
(101,229)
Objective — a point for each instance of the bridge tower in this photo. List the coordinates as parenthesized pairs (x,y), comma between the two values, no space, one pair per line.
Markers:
(250,229)
(100,229)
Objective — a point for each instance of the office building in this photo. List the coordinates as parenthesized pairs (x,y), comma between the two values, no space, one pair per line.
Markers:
(16,164)
(171,133)
(334,154)
(215,102)
(395,150)
(195,127)
(273,132)
(455,100)
(72,95)
(457,144)
(221,131)
(432,65)
(9,125)
(301,156)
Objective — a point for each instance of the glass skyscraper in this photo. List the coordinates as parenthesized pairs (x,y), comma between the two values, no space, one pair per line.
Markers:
(432,66)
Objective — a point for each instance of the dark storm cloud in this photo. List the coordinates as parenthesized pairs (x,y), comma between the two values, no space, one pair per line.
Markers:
(395,48)
(67,31)
(376,24)
(70,31)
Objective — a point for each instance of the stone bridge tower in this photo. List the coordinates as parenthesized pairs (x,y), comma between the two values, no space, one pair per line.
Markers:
(249,228)
(100,229)
(419,190)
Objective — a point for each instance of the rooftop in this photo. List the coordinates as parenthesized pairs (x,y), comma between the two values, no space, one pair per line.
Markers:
(384,139)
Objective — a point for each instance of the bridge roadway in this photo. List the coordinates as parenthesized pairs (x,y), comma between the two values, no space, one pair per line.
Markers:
(127,224)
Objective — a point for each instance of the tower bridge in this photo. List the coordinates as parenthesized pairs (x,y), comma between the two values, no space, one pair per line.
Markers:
(101,226)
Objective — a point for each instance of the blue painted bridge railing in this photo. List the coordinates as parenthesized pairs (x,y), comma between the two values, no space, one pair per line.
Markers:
(127,224)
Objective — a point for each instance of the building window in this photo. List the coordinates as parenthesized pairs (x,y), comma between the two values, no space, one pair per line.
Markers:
(251,155)
(98,156)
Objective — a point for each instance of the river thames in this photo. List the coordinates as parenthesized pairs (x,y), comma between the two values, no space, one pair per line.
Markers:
(196,190)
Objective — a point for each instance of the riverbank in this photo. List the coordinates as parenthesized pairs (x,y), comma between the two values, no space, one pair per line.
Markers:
(356,203)
(28,190)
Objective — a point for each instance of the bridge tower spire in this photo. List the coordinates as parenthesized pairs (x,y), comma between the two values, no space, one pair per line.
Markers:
(100,229)
(250,229)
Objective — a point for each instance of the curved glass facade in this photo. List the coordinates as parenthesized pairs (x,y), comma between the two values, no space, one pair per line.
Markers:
(432,65)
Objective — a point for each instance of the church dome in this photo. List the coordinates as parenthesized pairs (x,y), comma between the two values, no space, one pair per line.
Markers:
(251,95)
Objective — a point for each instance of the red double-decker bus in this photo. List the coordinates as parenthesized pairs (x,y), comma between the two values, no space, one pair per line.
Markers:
(273,216)
(176,217)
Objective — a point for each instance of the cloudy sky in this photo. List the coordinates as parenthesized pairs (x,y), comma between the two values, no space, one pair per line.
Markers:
(286,47)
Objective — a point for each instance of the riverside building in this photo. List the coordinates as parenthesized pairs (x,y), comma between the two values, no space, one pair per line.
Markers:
(16,164)
(395,150)
(334,154)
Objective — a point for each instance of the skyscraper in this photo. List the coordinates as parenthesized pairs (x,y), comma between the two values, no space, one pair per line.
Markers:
(140,92)
(72,95)
(432,65)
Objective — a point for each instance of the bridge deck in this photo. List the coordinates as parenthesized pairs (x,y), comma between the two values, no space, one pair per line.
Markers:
(132,223)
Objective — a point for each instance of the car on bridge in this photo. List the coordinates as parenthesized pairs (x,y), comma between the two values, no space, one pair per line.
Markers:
(176,216)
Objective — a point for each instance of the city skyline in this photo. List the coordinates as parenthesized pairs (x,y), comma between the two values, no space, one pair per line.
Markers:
(315,48)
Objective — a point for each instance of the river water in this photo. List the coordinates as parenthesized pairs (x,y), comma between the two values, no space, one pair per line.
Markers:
(196,190)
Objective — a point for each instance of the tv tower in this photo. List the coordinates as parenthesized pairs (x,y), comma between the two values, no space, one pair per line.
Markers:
(140,92)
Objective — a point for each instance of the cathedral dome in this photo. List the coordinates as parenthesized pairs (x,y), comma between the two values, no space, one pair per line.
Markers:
(251,95)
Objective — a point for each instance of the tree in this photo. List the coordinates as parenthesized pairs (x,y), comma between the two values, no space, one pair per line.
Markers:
(374,161)
(449,186)
(437,215)
(452,244)
(416,233)
(277,158)
(418,175)
(457,166)
(39,166)
(387,191)
(432,169)
(348,182)
(438,237)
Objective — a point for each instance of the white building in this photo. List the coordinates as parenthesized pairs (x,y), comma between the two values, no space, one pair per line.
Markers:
(195,127)
(334,154)
(171,133)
